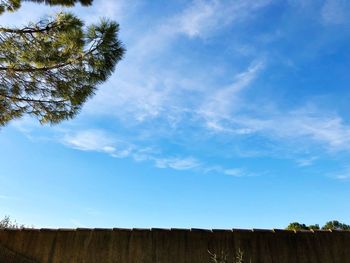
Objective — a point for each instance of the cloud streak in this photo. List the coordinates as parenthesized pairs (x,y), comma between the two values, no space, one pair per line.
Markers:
(334,12)
(177,163)
(204,17)
(224,102)
(100,141)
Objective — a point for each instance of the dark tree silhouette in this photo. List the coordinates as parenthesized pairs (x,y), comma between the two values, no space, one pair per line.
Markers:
(336,225)
(297,226)
(332,225)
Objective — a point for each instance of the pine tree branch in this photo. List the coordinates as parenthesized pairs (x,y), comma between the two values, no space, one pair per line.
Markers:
(49,69)
(57,66)
(31,100)
(29,30)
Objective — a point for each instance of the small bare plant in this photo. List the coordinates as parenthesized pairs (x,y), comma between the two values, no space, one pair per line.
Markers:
(223,257)
(6,222)
(239,256)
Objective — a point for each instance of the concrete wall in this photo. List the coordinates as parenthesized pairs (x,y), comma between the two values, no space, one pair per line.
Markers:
(172,246)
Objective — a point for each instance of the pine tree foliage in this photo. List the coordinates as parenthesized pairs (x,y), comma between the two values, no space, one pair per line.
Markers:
(50,68)
(13,5)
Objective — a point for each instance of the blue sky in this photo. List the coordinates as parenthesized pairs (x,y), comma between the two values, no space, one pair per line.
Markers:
(223,114)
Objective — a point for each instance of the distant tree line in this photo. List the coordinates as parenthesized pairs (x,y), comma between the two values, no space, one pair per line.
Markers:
(330,225)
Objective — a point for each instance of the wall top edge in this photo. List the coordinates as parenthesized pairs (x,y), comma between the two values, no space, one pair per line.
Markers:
(203,230)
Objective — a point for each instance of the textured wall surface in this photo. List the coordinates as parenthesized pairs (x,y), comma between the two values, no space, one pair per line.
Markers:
(171,246)
(9,256)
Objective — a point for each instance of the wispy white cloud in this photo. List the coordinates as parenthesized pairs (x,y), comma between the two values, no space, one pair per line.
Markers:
(335,12)
(199,17)
(176,163)
(235,172)
(25,124)
(99,141)
(329,129)
(317,126)
(224,112)
(203,17)
(342,175)
(306,161)
(146,89)
(117,10)
(224,102)
(133,98)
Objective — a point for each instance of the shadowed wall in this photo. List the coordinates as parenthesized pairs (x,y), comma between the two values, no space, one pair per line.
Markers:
(171,246)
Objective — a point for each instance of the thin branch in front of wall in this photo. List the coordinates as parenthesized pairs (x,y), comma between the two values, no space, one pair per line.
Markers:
(222,257)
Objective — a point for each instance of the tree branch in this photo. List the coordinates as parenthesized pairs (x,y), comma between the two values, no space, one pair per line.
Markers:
(31,100)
